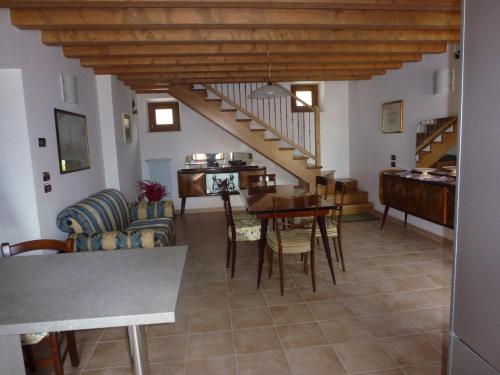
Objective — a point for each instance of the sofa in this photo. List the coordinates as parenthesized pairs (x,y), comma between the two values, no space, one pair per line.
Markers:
(106,221)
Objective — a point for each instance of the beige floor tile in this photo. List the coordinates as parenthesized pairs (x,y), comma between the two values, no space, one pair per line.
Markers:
(112,334)
(209,303)
(327,310)
(419,299)
(386,372)
(184,305)
(342,330)
(180,326)
(109,354)
(428,319)
(430,369)
(317,360)
(274,297)
(213,344)
(323,293)
(242,285)
(359,356)
(266,363)
(410,350)
(167,349)
(438,339)
(173,368)
(251,317)
(387,325)
(254,340)
(368,305)
(242,300)
(212,366)
(296,313)
(110,371)
(210,288)
(301,334)
(207,321)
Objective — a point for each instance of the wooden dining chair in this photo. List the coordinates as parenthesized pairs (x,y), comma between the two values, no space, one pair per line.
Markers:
(241,227)
(291,238)
(261,180)
(54,339)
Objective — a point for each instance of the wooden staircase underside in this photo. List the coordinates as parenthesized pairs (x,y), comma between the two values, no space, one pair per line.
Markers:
(227,119)
(442,142)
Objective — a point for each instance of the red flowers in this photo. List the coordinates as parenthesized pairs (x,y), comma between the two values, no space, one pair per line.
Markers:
(153,191)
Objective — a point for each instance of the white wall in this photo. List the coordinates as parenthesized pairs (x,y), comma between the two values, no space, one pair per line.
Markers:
(370,149)
(40,66)
(122,164)
(19,214)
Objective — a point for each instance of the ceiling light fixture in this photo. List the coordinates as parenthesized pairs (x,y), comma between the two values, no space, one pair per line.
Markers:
(271,90)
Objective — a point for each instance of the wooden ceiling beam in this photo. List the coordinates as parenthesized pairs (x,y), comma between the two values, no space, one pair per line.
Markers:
(253,48)
(199,36)
(274,75)
(167,18)
(261,68)
(247,60)
(146,83)
(308,4)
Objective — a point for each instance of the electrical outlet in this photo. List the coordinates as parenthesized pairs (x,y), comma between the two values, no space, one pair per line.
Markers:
(42,142)
(393,164)
(46,176)
(47,188)
(393,157)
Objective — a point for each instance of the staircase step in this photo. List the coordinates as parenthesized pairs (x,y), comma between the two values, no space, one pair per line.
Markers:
(213,100)
(311,166)
(272,139)
(288,148)
(228,110)
(350,209)
(299,157)
(351,184)
(243,120)
(258,130)
(356,197)
(200,90)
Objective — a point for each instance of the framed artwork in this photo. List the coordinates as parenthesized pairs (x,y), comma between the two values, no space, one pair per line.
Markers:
(127,128)
(392,117)
(72,141)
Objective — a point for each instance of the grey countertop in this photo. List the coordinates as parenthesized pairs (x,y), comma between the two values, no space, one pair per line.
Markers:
(90,290)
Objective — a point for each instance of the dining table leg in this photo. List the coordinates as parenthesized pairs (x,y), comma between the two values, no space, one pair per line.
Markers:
(262,247)
(139,349)
(11,355)
(326,245)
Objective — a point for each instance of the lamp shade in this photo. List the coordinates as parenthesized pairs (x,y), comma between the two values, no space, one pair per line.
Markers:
(269,91)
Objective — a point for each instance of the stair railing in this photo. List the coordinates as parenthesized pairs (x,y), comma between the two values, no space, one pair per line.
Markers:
(301,130)
(435,131)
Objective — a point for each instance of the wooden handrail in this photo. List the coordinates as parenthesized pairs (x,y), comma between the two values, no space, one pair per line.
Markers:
(260,122)
(436,133)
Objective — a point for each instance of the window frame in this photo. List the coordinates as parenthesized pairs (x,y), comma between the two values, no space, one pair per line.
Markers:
(304,87)
(154,127)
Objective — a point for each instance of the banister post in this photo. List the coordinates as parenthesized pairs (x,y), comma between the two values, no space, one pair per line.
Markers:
(317,136)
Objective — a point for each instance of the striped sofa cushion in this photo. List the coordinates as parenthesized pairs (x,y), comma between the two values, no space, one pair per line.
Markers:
(102,212)
(151,210)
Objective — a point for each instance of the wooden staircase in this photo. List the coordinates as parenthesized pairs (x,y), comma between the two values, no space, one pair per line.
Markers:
(250,129)
(355,200)
(435,140)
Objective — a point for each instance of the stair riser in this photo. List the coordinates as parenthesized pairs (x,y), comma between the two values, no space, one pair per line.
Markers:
(357,209)
(355,198)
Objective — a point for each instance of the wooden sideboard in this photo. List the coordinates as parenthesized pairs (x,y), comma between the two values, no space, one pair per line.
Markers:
(192,182)
(430,197)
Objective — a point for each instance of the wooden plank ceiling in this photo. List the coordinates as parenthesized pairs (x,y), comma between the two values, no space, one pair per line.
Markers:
(150,44)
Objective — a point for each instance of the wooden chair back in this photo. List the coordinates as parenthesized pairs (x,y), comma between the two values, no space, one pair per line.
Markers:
(338,199)
(44,244)
(261,180)
(226,198)
(322,186)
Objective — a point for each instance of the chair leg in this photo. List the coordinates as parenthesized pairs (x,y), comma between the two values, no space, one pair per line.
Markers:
(228,253)
(233,259)
(56,354)
(270,259)
(336,249)
(72,350)
(313,271)
(30,359)
(339,240)
(305,262)
(282,280)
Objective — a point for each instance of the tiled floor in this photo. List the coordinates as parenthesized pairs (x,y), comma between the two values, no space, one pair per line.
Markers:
(388,315)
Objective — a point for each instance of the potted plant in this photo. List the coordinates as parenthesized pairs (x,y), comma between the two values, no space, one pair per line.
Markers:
(152,191)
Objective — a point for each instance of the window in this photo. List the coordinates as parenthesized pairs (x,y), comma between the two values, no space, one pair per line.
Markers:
(307,93)
(164,117)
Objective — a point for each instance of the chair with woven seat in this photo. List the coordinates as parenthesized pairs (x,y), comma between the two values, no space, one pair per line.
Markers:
(290,238)
(241,227)
(54,339)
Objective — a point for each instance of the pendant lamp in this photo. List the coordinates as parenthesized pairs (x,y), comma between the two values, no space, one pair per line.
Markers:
(271,90)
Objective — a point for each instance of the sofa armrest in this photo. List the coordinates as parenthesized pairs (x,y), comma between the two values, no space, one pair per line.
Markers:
(151,210)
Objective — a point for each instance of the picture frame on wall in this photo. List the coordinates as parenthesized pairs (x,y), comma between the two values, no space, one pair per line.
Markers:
(392,117)
(72,141)
(127,128)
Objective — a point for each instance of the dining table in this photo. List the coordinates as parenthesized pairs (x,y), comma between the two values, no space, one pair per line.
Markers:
(259,201)
(88,290)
